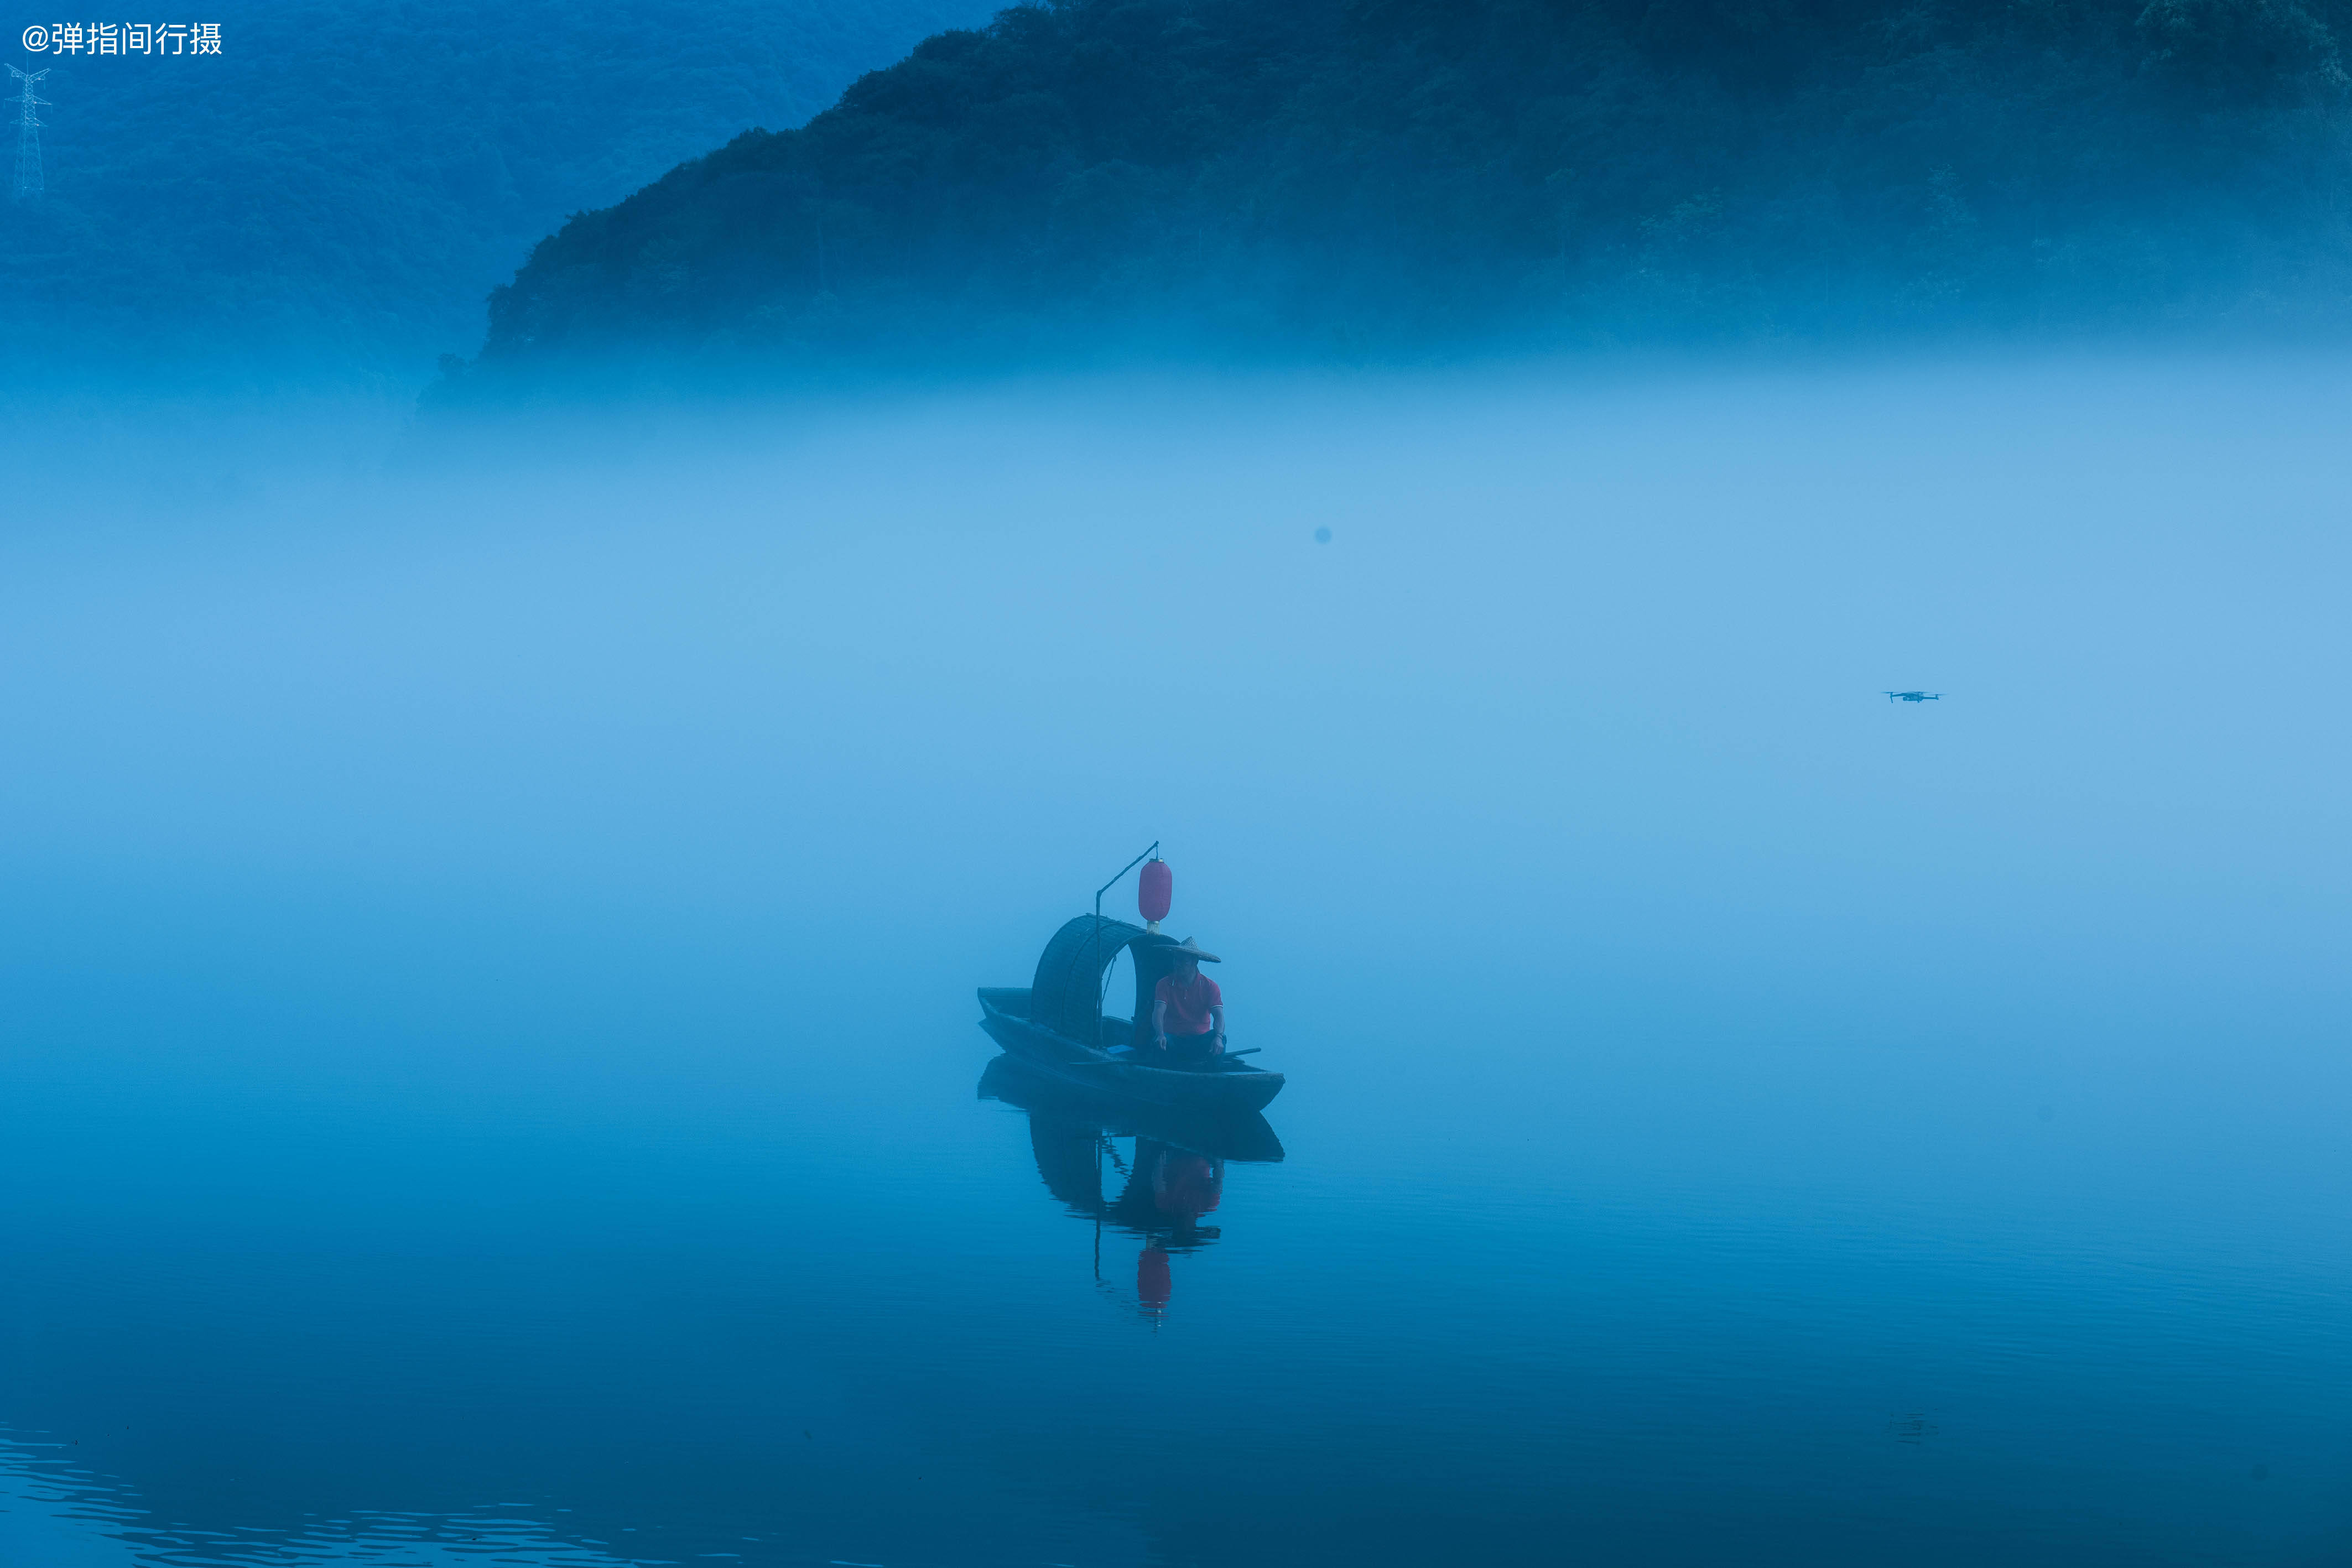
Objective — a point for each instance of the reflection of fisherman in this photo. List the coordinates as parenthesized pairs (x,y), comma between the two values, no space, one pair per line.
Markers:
(1166,1194)
(1188,1011)
(1184,1185)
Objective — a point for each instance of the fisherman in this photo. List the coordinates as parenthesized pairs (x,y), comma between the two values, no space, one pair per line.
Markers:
(1187,1005)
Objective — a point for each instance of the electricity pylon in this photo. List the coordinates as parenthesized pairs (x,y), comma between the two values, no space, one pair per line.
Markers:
(28,134)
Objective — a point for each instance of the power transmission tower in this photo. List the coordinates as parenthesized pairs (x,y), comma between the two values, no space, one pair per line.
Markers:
(28,134)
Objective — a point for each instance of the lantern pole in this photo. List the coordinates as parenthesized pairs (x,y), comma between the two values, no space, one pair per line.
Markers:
(1094,937)
(1114,881)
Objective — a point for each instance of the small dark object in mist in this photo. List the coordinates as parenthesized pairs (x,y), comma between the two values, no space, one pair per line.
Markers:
(1322,535)
(1914,697)
(1911,1428)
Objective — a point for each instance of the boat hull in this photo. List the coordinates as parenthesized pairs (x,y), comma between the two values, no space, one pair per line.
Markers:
(1228,1085)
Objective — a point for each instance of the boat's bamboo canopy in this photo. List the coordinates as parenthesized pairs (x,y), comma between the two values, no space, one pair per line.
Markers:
(1068,994)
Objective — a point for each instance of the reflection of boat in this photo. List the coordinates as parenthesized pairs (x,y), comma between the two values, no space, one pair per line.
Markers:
(1244,1137)
(1176,1177)
(1057,1024)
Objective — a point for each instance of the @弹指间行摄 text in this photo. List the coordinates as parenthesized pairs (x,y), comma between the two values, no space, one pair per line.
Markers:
(123,39)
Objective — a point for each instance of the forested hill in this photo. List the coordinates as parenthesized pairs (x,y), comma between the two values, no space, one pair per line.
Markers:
(342,185)
(1367,175)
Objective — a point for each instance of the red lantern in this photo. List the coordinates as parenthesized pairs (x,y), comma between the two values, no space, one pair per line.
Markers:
(1155,887)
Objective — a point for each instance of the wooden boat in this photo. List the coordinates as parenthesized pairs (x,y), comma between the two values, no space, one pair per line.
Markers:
(1059,1028)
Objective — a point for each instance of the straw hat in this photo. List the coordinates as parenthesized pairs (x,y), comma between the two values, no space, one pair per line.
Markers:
(1188,948)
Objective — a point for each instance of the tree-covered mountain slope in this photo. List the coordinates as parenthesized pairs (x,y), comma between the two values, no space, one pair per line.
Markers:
(1348,175)
(345,184)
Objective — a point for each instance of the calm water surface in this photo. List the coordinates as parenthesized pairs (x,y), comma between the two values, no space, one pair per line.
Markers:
(491,1073)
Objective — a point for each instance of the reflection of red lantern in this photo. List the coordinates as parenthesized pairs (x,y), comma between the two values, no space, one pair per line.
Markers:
(1157,886)
(1153,1285)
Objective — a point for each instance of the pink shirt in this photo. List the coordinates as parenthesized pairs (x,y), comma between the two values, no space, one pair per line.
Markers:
(1188,1002)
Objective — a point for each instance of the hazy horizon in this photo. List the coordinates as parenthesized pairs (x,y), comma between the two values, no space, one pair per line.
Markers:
(496,904)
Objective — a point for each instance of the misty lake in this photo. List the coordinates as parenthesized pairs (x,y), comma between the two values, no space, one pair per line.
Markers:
(490,1069)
